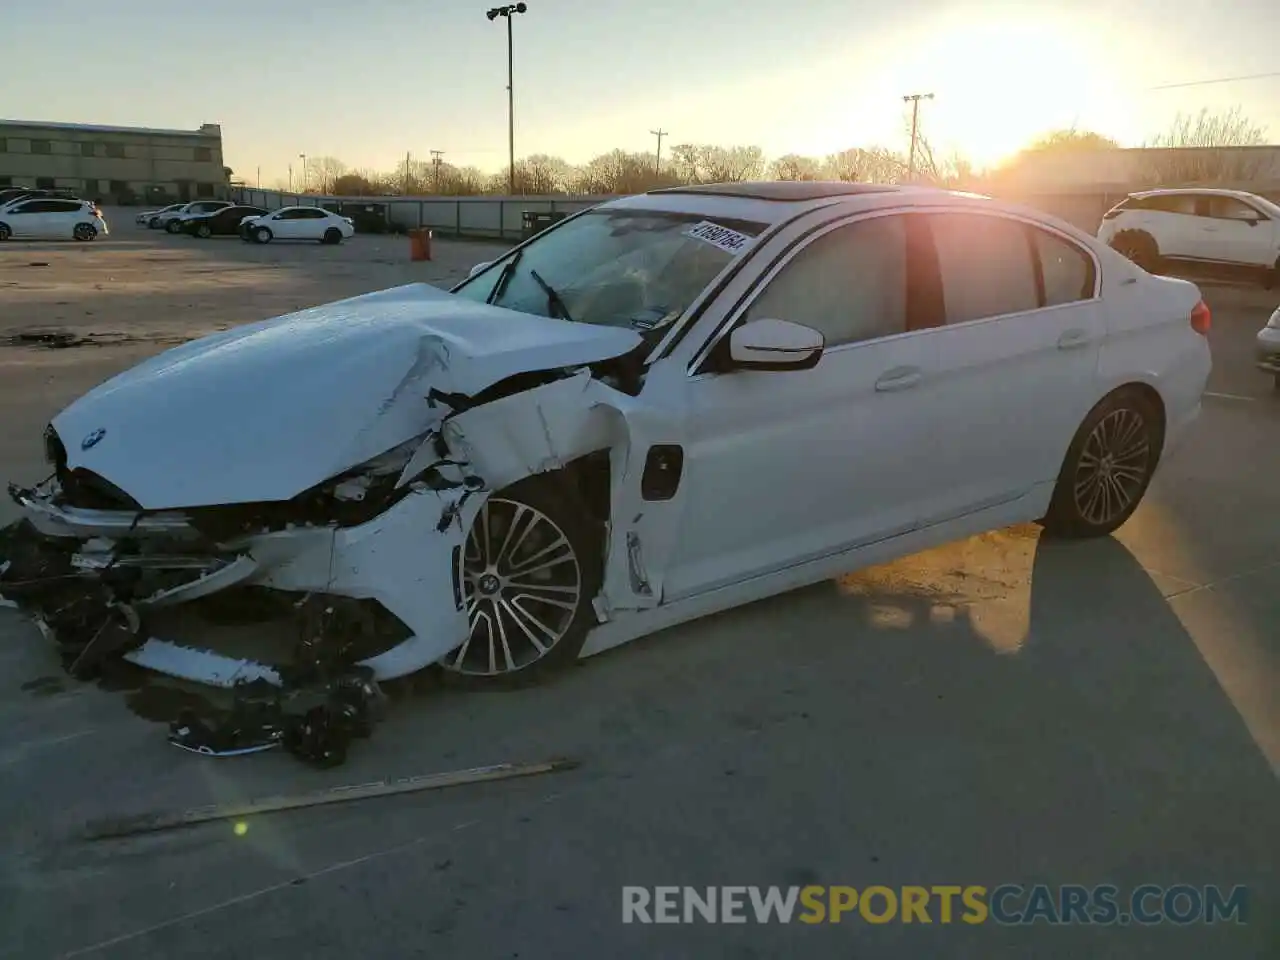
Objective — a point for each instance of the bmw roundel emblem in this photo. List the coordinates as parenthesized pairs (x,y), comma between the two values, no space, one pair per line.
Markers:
(93,439)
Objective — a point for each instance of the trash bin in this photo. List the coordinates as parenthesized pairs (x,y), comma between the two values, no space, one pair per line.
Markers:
(420,244)
(533,222)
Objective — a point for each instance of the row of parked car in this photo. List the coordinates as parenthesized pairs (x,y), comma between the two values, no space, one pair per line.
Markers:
(30,214)
(214,218)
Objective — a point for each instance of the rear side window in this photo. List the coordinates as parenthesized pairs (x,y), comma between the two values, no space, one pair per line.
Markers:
(1229,208)
(986,266)
(850,284)
(311,214)
(1067,271)
(1183,203)
(64,206)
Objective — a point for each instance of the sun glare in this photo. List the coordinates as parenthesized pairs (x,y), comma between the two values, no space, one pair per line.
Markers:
(1001,83)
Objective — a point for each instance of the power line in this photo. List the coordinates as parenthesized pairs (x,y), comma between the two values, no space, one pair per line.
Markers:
(1201,83)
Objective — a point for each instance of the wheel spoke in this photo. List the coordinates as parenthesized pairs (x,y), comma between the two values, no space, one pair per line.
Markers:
(514,535)
(552,555)
(524,620)
(1133,452)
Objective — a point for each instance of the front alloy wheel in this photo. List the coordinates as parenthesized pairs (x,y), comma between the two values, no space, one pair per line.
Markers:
(528,579)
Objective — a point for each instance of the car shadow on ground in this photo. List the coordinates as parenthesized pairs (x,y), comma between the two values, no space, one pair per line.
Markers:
(1000,710)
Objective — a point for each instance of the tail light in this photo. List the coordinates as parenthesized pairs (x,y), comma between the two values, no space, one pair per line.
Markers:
(1201,319)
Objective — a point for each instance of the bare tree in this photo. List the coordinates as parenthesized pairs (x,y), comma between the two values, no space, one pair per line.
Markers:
(795,167)
(1205,148)
(1070,139)
(865,165)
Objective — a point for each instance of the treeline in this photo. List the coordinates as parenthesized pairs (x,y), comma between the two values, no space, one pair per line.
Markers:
(626,172)
(622,171)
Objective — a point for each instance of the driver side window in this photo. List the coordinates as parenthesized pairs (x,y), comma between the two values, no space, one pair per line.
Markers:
(849,284)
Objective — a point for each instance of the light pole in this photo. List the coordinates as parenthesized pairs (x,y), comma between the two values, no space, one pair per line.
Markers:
(303,158)
(509,11)
(914,99)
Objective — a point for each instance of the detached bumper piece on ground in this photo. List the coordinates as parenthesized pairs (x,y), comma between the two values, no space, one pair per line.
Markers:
(322,704)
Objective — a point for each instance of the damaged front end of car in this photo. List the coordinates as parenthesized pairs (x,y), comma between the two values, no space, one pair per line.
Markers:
(368,562)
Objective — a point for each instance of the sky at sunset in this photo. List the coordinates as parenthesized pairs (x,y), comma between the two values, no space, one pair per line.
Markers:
(367,82)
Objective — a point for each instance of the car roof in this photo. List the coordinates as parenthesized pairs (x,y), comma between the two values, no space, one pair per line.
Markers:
(775,202)
(783,191)
(1199,191)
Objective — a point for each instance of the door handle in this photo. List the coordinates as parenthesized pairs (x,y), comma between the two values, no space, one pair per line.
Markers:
(1072,339)
(899,378)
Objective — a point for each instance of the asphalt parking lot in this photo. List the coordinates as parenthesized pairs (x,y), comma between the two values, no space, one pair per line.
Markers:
(1000,710)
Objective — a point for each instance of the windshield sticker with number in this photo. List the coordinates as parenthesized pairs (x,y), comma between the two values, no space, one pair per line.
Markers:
(728,240)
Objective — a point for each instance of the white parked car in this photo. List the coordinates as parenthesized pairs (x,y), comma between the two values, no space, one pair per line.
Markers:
(1269,347)
(170,220)
(298,223)
(145,218)
(46,218)
(664,406)
(1202,226)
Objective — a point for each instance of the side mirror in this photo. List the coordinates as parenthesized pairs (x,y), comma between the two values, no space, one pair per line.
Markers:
(477,268)
(775,345)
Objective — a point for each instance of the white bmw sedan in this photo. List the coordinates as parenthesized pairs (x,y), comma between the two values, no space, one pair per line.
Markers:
(297,223)
(661,407)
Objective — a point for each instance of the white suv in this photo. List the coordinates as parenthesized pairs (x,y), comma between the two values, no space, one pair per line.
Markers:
(1228,228)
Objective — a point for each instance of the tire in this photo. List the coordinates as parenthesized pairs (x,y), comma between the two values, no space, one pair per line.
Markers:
(554,531)
(1091,499)
(173,226)
(152,225)
(84,232)
(1138,246)
(5,232)
(204,232)
(332,236)
(261,235)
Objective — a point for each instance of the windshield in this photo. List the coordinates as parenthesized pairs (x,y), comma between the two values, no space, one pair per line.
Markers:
(618,268)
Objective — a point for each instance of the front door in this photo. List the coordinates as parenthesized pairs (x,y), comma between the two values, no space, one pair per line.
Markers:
(784,467)
(1017,358)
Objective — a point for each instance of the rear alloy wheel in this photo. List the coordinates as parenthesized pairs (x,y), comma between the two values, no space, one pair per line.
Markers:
(331,236)
(530,569)
(204,232)
(85,231)
(173,226)
(1108,467)
(5,232)
(1138,246)
(262,235)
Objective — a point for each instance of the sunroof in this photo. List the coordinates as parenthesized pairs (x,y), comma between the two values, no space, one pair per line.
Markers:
(783,190)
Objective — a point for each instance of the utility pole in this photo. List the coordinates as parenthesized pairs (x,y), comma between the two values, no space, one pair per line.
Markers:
(436,160)
(290,178)
(406,173)
(914,99)
(509,11)
(657,158)
(303,158)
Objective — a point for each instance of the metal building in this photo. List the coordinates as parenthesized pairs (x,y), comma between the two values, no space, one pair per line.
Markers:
(113,164)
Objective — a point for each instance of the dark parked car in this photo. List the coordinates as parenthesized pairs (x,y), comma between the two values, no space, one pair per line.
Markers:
(220,223)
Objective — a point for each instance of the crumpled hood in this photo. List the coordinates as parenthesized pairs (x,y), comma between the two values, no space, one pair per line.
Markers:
(265,411)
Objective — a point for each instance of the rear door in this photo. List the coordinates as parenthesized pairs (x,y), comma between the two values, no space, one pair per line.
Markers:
(1017,358)
(1236,232)
(310,224)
